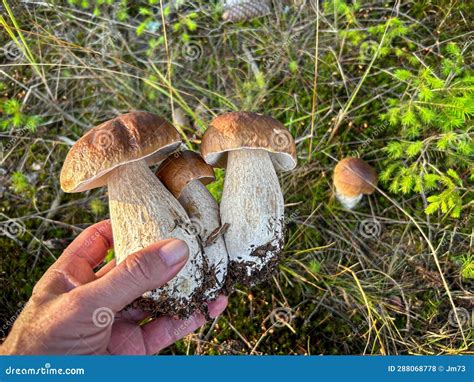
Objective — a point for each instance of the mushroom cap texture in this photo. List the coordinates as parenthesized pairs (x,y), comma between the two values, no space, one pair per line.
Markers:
(183,167)
(245,130)
(129,137)
(353,176)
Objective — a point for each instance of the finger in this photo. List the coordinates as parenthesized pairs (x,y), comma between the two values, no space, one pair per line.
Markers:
(105,269)
(126,338)
(90,246)
(75,266)
(165,331)
(148,269)
(53,283)
(132,315)
(217,306)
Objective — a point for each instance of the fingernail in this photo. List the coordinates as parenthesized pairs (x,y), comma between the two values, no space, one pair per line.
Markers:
(218,306)
(174,252)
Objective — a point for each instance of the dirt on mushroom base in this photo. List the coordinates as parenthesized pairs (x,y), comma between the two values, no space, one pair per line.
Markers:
(166,305)
(236,274)
(237,271)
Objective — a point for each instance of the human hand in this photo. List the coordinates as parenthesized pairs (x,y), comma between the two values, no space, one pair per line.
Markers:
(74,310)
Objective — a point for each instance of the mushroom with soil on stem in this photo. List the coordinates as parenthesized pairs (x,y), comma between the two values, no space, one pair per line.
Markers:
(185,174)
(353,178)
(116,154)
(252,147)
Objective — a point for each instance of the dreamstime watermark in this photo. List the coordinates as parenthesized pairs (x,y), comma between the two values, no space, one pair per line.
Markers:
(12,229)
(98,232)
(12,52)
(177,333)
(281,139)
(105,135)
(280,52)
(362,326)
(9,323)
(194,227)
(13,140)
(466,318)
(291,217)
(367,50)
(108,40)
(281,316)
(103,139)
(44,370)
(375,133)
(278,139)
(191,50)
(103,317)
(370,228)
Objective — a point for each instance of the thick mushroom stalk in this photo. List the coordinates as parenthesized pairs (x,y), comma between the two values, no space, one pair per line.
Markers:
(253,206)
(203,211)
(143,212)
(252,147)
(117,154)
(349,202)
(185,175)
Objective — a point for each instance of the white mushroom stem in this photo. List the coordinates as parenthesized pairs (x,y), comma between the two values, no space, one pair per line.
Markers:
(348,202)
(203,212)
(252,204)
(143,212)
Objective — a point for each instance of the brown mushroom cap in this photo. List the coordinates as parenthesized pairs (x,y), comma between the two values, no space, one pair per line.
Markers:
(181,168)
(129,137)
(245,130)
(353,176)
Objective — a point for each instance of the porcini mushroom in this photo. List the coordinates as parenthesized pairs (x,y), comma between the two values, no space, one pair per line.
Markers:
(251,147)
(142,211)
(353,178)
(185,174)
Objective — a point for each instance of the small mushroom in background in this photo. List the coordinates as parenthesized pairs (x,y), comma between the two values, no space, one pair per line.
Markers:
(252,147)
(116,154)
(353,178)
(185,174)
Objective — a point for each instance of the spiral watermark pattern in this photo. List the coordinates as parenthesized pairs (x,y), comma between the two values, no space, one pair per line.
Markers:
(370,228)
(281,139)
(463,315)
(103,139)
(102,317)
(367,50)
(280,317)
(194,227)
(12,52)
(12,228)
(184,326)
(191,51)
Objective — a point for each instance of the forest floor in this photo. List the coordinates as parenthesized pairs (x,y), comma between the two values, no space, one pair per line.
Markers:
(389,82)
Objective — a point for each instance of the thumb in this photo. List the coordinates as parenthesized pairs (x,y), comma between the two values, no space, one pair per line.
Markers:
(148,269)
